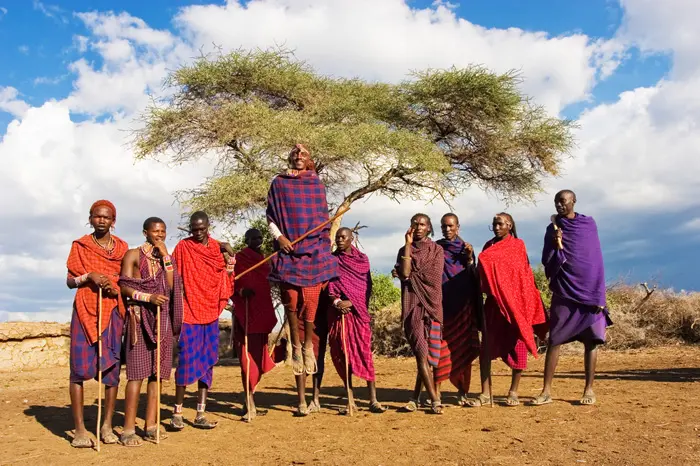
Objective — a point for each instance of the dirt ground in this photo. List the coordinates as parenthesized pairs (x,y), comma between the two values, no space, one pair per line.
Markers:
(647,413)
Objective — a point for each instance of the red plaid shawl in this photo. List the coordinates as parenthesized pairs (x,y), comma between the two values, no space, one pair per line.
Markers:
(354,283)
(506,275)
(424,286)
(261,312)
(206,283)
(296,203)
(85,257)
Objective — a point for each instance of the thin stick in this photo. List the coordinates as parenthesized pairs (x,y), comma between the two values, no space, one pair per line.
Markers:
(279,334)
(553,218)
(301,238)
(247,365)
(487,352)
(158,374)
(347,368)
(99,365)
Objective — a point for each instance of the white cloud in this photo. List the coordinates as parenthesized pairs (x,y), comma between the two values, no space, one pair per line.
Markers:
(23,49)
(51,11)
(636,154)
(3,12)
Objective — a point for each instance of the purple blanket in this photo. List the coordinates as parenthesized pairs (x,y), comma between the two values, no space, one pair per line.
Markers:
(575,273)
(460,285)
(297,204)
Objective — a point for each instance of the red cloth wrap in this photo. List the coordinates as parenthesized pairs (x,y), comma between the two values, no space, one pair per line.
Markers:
(261,312)
(507,277)
(85,257)
(207,285)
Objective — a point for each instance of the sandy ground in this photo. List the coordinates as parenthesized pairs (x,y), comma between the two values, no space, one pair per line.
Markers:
(647,413)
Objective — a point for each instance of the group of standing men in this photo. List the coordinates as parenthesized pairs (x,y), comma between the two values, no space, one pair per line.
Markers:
(326,297)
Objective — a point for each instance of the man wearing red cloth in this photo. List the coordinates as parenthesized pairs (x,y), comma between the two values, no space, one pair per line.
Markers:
(253,299)
(93,263)
(296,204)
(207,284)
(513,311)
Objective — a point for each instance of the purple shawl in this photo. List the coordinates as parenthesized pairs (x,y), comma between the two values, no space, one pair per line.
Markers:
(575,272)
(459,279)
(354,282)
(423,288)
(172,311)
(297,204)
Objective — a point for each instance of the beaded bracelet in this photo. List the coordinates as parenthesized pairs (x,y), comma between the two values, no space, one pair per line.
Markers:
(81,279)
(168,263)
(139,296)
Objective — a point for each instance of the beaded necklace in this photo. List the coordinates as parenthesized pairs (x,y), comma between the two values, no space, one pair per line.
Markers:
(154,265)
(110,244)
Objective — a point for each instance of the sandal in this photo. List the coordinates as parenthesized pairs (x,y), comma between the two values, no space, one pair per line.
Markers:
(345,410)
(150,435)
(302,410)
(542,400)
(410,407)
(478,402)
(512,399)
(82,442)
(130,439)
(588,399)
(314,407)
(177,422)
(376,408)
(108,437)
(310,365)
(462,399)
(201,422)
(436,407)
(297,360)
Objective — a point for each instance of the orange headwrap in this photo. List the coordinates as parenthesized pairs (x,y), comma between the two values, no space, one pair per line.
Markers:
(104,203)
(310,165)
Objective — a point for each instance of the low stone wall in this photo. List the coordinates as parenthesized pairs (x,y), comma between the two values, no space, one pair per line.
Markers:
(33,345)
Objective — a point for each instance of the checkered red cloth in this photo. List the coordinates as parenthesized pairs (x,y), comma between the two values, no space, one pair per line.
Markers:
(207,285)
(507,279)
(85,257)
(83,355)
(261,312)
(304,300)
(260,361)
(354,283)
(421,296)
(141,334)
(198,352)
(296,203)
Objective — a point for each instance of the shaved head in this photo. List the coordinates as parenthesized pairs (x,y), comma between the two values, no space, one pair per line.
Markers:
(565,191)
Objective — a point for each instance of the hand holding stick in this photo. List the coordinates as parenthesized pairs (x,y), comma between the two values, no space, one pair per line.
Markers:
(557,232)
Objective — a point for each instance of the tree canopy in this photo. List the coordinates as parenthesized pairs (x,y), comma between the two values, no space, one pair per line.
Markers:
(432,135)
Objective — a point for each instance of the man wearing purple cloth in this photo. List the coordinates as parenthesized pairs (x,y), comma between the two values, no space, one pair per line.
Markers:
(573,264)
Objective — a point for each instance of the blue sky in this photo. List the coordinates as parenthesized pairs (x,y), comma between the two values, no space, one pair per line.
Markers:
(625,70)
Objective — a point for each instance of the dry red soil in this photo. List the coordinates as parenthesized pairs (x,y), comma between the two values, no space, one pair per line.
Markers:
(647,413)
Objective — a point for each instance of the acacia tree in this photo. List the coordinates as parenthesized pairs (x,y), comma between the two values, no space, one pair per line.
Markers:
(433,135)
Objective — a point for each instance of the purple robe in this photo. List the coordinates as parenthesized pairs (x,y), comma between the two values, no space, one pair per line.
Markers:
(577,280)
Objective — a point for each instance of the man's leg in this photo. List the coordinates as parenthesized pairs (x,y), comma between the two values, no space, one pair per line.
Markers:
(133,391)
(302,408)
(81,440)
(317,378)
(484,371)
(590,359)
(200,420)
(297,358)
(550,366)
(512,398)
(151,407)
(106,432)
(426,375)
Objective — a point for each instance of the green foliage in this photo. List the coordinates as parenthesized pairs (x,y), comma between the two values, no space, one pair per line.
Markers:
(384,292)
(543,285)
(431,136)
(238,241)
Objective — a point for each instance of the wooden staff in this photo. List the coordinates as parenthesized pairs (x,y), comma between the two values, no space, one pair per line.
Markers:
(279,334)
(99,365)
(158,374)
(347,368)
(553,218)
(247,364)
(301,238)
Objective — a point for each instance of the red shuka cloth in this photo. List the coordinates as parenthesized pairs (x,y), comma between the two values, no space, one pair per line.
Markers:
(506,276)
(85,257)
(261,312)
(207,285)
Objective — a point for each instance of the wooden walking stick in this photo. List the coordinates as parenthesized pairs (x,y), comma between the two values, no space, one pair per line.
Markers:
(347,368)
(301,238)
(553,219)
(247,365)
(99,365)
(279,334)
(158,374)
(484,333)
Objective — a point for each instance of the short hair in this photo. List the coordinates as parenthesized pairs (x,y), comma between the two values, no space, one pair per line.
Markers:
(344,229)
(250,231)
(150,221)
(565,191)
(427,219)
(199,215)
(513,231)
(450,214)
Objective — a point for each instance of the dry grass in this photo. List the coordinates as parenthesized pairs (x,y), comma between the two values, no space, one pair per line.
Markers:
(640,321)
